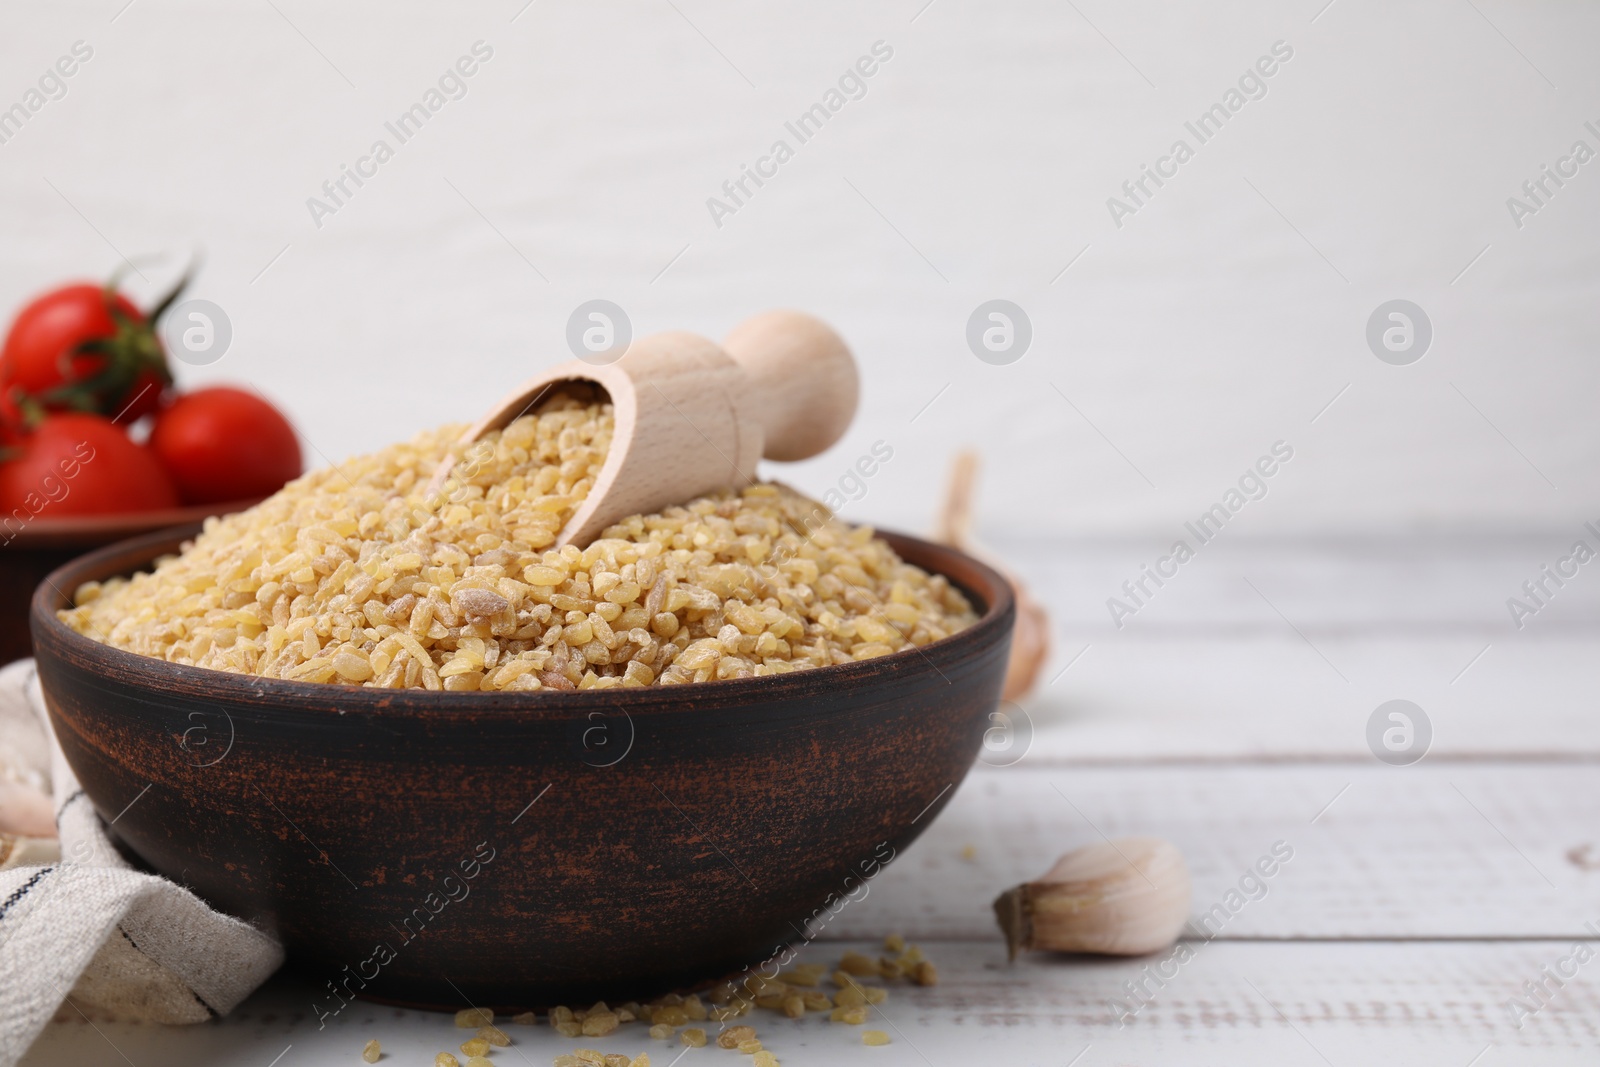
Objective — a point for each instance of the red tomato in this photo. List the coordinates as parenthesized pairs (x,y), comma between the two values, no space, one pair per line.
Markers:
(86,348)
(223,444)
(80,465)
(12,424)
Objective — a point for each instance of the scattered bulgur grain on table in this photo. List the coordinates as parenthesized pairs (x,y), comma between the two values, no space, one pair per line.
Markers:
(694,1037)
(495,1036)
(733,1035)
(371,1051)
(444,1059)
(764,1059)
(472,1018)
(356,576)
(854,963)
(526,1018)
(475,1046)
(671,1015)
(661,1031)
(479,1061)
(874,1037)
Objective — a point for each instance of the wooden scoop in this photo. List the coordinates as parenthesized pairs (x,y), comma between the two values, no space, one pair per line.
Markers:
(692,418)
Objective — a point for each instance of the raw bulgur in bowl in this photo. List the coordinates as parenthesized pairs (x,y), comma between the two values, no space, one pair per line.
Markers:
(520,847)
(355,574)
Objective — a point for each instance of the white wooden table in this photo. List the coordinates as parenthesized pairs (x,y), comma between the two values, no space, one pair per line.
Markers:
(1229,716)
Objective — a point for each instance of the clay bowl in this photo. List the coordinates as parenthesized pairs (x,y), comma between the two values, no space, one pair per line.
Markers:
(522,850)
(30,551)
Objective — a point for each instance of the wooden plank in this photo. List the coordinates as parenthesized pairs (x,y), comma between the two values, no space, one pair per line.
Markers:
(1292,642)
(1435,850)
(1255,697)
(1382,584)
(1283,1004)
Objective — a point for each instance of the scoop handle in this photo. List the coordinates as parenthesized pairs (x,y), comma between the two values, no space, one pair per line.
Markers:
(801,381)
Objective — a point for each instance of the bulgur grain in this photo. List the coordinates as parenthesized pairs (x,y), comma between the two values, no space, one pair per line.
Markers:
(764,1059)
(526,1018)
(874,1037)
(444,1059)
(855,963)
(353,576)
(371,1051)
(495,1036)
(850,997)
(731,1037)
(475,1046)
(472,1018)
(694,1037)
(672,1015)
(661,1031)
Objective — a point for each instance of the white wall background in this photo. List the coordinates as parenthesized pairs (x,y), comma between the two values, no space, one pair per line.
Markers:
(1222,317)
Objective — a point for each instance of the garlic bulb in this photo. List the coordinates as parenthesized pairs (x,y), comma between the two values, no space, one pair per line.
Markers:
(1126,897)
(1030,636)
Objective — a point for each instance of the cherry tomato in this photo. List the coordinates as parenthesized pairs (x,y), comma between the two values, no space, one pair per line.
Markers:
(223,444)
(13,427)
(86,347)
(75,464)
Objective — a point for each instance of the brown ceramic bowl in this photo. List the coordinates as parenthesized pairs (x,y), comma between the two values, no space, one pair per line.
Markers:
(522,850)
(29,552)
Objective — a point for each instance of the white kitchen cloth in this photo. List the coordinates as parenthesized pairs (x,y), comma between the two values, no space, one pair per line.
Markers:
(88,935)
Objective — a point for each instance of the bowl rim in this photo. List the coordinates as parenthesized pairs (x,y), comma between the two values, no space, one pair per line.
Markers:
(69,530)
(281,695)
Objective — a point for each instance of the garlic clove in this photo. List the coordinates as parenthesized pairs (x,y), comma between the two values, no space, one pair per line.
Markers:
(25,811)
(1126,897)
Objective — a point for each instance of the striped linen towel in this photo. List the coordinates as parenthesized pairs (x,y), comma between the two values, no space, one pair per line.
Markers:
(86,934)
